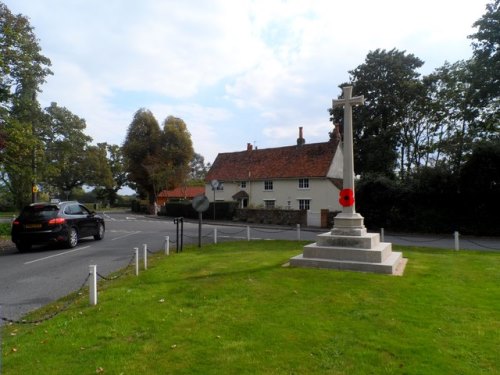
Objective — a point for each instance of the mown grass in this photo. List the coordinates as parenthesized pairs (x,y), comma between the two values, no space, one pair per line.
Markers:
(233,308)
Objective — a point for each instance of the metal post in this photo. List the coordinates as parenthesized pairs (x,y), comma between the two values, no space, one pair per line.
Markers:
(200,219)
(298,232)
(182,233)
(145,252)
(166,245)
(93,285)
(457,241)
(382,235)
(215,236)
(177,242)
(248,232)
(136,249)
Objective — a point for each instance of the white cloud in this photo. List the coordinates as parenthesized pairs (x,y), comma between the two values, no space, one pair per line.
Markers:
(235,71)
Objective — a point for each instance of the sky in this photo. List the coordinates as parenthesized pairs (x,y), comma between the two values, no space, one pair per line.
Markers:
(236,71)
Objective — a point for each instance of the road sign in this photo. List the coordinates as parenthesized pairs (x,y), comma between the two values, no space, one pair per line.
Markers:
(200,203)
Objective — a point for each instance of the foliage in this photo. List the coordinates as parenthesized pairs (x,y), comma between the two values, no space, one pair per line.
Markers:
(487,54)
(22,66)
(141,146)
(198,169)
(232,308)
(157,158)
(388,80)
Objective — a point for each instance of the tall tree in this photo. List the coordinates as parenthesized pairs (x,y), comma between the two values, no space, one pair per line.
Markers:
(486,42)
(177,151)
(455,114)
(23,70)
(67,155)
(141,149)
(389,81)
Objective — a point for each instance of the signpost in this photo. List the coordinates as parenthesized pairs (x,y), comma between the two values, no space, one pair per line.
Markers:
(200,204)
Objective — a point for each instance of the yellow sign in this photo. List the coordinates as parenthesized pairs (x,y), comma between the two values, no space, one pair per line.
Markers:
(35,189)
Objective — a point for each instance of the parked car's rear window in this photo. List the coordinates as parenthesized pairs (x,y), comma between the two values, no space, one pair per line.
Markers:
(39,212)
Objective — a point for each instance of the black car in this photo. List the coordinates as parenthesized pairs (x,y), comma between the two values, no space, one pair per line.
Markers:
(63,222)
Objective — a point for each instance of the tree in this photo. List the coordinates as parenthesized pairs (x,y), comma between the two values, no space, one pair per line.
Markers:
(198,169)
(177,151)
(141,149)
(68,163)
(22,66)
(22,71)
(388,81)
(115,162)
(455,114)
(487,55)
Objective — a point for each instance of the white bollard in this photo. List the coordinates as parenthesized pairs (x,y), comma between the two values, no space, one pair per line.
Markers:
(298,232)
(382,236)
(93,285)
(457,241)
(166,245)
(136,249)
(248,232)
(215,236)
(145,252)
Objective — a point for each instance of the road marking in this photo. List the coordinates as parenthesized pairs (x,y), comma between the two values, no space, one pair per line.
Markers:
(126,235)
(56,255)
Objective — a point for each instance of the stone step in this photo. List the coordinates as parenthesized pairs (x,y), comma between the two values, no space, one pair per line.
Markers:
(376,255)
(393,264)
(367,241)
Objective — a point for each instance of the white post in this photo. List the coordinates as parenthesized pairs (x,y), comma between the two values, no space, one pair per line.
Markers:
(382,236)
(145,252)
(248,232)
(457,242)
(93,285)
(298,232)
(166,245)
(215,236)
(136,249)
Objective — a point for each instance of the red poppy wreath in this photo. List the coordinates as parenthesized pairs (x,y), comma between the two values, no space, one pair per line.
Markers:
(346,198)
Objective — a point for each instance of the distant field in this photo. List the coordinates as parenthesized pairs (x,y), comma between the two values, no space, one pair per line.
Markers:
(234,308)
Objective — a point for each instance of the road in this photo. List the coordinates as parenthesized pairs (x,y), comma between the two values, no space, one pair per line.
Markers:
(31,280)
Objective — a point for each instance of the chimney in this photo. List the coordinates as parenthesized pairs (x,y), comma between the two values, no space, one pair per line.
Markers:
(249,147)
(300,140)
(335,134)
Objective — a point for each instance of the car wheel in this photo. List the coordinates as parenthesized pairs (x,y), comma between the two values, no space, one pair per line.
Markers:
(72,237)
(23,246)
(100,232)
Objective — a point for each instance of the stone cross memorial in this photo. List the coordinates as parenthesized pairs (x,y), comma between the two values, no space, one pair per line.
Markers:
(348,246)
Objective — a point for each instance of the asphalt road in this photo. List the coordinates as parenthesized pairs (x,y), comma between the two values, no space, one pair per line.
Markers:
(30,280)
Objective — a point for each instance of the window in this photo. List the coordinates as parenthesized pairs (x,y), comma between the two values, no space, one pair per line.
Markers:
(269,204)
(243,184)
(220,186)
(303,183)
(304,204)
(268,185)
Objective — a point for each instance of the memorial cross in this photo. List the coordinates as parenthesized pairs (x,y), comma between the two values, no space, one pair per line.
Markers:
(348,169)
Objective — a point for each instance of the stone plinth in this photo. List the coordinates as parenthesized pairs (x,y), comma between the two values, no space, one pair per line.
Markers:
(351,252)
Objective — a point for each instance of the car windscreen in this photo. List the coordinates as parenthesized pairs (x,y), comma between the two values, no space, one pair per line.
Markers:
(39,212)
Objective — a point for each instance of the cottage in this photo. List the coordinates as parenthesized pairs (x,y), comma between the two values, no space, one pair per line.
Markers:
(179,193)
(299,177)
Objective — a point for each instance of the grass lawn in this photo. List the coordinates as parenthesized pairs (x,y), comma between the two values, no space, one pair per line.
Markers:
(233,308)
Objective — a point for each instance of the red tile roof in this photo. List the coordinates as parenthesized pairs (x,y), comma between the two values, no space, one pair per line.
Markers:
(183,192)
(308,160)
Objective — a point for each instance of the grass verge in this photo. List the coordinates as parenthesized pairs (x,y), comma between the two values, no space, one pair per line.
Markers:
(233,308)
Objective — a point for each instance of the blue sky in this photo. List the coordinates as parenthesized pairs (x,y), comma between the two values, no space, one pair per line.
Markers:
(236,71)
